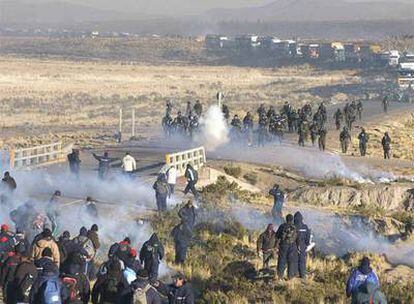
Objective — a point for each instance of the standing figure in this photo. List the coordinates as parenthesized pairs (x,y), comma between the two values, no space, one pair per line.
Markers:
(339,117)
(322,138)
(104,164)
(288,251)
(182,236)
(150,255)
(74,162)
(345,139)
(129,165)
(267,245)
(386,145)
(278,201)
(191,175)
(162,191)
(363,138)
(303,241)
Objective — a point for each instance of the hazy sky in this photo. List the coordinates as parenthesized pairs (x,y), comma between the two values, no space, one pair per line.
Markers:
(176,7)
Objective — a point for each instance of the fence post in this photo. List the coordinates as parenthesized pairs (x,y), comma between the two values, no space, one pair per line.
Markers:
(120,120)
(133,123)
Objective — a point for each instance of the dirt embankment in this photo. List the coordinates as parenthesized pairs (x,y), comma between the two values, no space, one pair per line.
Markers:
(388,197)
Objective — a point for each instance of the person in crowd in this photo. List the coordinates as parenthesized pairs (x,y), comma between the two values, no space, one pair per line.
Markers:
(278,201)
(361,275)
(25,275)
(129,165)
(182,236)
(386,145)
(90,208)
(109,285)
(140,291)
(104,164)
(87,245)
(363,138)
(8,271)
(303,241)
(74,162)
(267,245)
(150,255)
(77,285)
(44,241)
(53,211)
(8,182)
(172,178)
(181,292)
(288,251)
(191,175)
(162,191)
(187,214)
(47,288)
(345,139)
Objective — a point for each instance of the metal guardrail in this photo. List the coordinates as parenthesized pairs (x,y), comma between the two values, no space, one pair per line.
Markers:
(33,156)
(195,157)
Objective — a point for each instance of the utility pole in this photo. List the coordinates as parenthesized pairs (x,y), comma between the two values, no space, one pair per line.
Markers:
(120,121)
(133,123)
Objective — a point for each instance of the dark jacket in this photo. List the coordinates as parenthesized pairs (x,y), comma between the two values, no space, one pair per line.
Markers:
(282,233)
(151,253)
(9,268)
(101,292)
(191,175)
(304,233)
(181,295)
(187,215)
(182,235)
(9,182)
(267,241)
(25,275)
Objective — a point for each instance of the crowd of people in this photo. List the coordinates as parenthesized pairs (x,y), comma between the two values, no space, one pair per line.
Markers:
(290,245)
(310,126)
(41,264)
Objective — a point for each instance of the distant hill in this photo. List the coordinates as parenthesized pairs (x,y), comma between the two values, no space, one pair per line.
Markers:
(317,10)
(20,11)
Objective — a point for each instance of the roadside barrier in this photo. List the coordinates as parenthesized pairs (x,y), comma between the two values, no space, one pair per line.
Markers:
(195,157)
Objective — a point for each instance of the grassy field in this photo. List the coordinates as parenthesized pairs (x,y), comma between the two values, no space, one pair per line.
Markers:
(80,100)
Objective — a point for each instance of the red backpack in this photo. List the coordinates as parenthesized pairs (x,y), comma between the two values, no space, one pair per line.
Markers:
(72,285)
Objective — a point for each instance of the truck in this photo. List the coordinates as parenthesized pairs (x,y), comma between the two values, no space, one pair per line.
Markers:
(405,78)
(394,58)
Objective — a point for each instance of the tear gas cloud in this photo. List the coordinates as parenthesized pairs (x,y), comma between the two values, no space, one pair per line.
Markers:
(121,202)
(214,131)
(333,234)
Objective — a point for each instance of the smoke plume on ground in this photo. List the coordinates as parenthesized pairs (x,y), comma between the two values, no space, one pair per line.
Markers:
(334,234)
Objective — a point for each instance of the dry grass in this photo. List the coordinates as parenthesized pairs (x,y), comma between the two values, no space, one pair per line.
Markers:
(67,96)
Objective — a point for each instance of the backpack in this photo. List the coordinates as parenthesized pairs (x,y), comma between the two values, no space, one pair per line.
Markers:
(72,285)
(129,275)
(289,234)
(89,248)
(162,188)
(25,286)
(51,292)
(140,295)
(111,285)
(195,172)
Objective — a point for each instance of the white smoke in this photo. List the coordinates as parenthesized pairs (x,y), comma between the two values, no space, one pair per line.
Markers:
(334,234)
(123,204)
(214,131)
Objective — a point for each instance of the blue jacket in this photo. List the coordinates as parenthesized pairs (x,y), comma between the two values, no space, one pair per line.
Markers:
(359,277)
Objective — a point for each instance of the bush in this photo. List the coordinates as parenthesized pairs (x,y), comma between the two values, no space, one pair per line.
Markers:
(233,171)
(251,178)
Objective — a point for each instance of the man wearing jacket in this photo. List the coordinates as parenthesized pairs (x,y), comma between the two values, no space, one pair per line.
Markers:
(267,245)
(360,276)
(303,241)
(46,241)
(192,178)
(129,165)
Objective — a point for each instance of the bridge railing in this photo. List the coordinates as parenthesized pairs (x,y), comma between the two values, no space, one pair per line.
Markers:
(33,156)
(195,157)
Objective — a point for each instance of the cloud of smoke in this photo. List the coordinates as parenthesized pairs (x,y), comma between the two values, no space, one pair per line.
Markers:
(122,204)
(334,234)
(214,131)
(308,161)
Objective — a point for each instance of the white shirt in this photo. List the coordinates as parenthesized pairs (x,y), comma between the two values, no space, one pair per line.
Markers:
(172,176)
(128,163)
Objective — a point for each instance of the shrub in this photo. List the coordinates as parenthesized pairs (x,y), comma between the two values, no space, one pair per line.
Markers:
(233,171)
(251,178)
